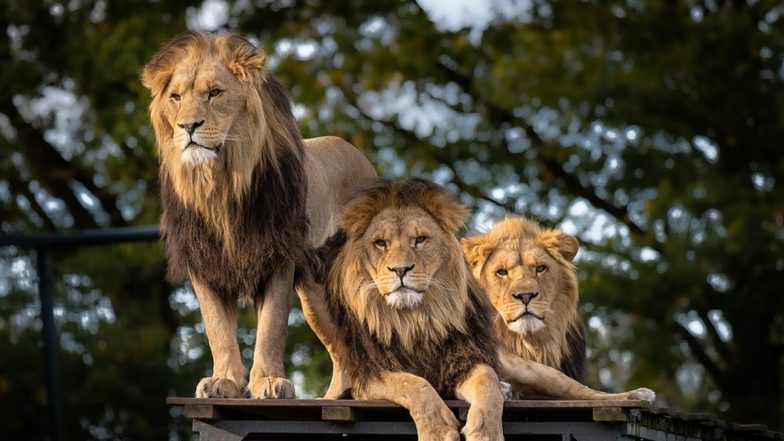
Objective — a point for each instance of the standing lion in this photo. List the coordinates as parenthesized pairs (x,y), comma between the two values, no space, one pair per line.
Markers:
(243,198)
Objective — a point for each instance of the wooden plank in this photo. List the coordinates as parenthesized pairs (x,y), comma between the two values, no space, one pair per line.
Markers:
(380,404)
(609,415)
(338,414)
(202,411)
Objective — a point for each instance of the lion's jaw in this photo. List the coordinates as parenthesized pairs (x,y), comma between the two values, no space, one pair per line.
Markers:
(527,323)
(404,298)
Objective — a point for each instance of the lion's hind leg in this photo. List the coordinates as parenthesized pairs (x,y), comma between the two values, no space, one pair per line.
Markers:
(433,419)
(483,392)
(530,378)
(314,307)
(220,323)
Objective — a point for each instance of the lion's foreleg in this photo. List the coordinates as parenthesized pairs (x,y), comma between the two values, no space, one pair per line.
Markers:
(220,323)
(314,307)
(536,379)
(432,417)
(482,390)
(268,374)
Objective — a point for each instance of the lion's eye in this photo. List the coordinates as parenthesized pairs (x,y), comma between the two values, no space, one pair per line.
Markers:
(381,244)
(420,240)
(215,92)
(501,272)
(175,97)
(541,269)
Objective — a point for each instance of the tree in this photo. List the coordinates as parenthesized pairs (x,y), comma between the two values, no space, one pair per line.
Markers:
(650,129)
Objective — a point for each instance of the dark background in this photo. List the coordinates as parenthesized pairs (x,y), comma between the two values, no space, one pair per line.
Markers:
(650,129)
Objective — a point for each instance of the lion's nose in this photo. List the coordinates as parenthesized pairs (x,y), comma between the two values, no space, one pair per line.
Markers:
(401,270)
(525,297)
(191,126)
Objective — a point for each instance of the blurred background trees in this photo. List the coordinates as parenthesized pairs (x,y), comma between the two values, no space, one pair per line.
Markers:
(650,129)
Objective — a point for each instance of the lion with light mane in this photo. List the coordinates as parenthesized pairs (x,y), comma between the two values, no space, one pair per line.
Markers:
(415,325)
(243,198)
(527,273)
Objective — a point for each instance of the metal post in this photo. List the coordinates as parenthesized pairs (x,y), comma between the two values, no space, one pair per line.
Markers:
(51,344)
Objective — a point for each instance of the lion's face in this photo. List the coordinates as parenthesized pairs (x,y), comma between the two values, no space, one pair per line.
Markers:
(212,116)
(525,272)
(203,102)
(405,249)
(402,271)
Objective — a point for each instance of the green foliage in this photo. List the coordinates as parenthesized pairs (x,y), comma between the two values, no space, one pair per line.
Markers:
(650,129)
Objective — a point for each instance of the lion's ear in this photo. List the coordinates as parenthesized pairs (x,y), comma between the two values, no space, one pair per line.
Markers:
(568,246)
(476,250)
(356,215)
(156,78)
(560,243)
(442,204)
(247,62)
(449,213)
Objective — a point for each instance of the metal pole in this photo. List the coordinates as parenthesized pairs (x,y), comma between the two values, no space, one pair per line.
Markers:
(51,345)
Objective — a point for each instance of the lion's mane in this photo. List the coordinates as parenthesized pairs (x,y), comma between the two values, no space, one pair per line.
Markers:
(561,343)
(443,338)
(232,224)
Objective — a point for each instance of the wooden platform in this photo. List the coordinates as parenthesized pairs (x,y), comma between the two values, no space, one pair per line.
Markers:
(244,419)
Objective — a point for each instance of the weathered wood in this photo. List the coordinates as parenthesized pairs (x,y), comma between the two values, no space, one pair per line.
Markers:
(609,414)
(202,411)
(338,413)
(239,419)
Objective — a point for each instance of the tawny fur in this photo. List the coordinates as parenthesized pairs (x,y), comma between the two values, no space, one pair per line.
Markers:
(444,344)
(452,312)
(412,353)
(244,197)
(518,245)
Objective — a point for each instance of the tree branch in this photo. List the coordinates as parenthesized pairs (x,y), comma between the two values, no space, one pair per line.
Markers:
(21,188)
(551,165)
(696,348)
(718,343)
(56,174)
(410,136)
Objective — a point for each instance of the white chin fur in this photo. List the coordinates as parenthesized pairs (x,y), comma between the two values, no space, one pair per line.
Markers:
(526,325)
(403,298)
(198,155)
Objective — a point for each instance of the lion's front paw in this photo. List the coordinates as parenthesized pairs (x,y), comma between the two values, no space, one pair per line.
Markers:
(483,425)
(642,393)
(441,425)
(217,387)
(271,387)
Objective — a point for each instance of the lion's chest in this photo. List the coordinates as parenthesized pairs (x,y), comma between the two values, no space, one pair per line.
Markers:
(259,236)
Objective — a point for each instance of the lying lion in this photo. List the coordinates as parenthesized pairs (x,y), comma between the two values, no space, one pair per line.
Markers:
(414,324)
(243,198)
(527,273)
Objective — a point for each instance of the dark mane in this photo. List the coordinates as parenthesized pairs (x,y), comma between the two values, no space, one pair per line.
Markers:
(573,364)
(269,225)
